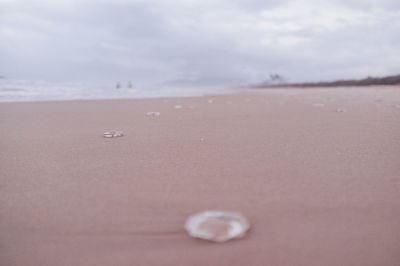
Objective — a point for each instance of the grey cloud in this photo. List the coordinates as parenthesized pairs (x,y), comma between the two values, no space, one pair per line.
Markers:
(371,4)
(160,42)
(257,5)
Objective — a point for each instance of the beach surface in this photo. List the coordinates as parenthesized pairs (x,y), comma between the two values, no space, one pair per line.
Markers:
(316,172)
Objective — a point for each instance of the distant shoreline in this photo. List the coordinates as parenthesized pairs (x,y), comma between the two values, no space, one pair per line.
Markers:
(369,81)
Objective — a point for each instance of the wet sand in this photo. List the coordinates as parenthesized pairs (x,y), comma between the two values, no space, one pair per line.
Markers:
(317,173)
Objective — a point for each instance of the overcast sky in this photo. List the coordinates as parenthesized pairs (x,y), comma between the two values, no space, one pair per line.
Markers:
(198,42)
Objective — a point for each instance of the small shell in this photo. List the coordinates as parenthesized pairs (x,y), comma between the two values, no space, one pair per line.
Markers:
(113,134)
(217,226)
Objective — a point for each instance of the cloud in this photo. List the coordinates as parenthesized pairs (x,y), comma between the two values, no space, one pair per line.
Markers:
(214,43)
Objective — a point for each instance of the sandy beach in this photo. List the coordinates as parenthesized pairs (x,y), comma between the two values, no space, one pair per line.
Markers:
(316,171)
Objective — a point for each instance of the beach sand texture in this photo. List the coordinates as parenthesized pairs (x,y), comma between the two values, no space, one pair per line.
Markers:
(316,172)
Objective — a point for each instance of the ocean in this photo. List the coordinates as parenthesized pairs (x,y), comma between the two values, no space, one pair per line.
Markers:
(12,90)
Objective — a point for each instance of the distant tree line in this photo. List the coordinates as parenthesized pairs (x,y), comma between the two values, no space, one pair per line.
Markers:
(369,81)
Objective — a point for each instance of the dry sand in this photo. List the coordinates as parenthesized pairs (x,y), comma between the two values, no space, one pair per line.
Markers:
(320,187)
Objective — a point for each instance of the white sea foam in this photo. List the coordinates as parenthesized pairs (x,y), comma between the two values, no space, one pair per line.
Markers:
(27,90)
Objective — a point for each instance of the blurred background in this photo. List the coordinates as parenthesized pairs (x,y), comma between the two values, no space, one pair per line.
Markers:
(76,46)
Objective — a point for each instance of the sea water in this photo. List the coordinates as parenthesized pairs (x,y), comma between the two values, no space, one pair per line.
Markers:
(12,90)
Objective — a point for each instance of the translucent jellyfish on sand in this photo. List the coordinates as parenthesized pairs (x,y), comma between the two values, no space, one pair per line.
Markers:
(153,113)
(217,226)
(341,110)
